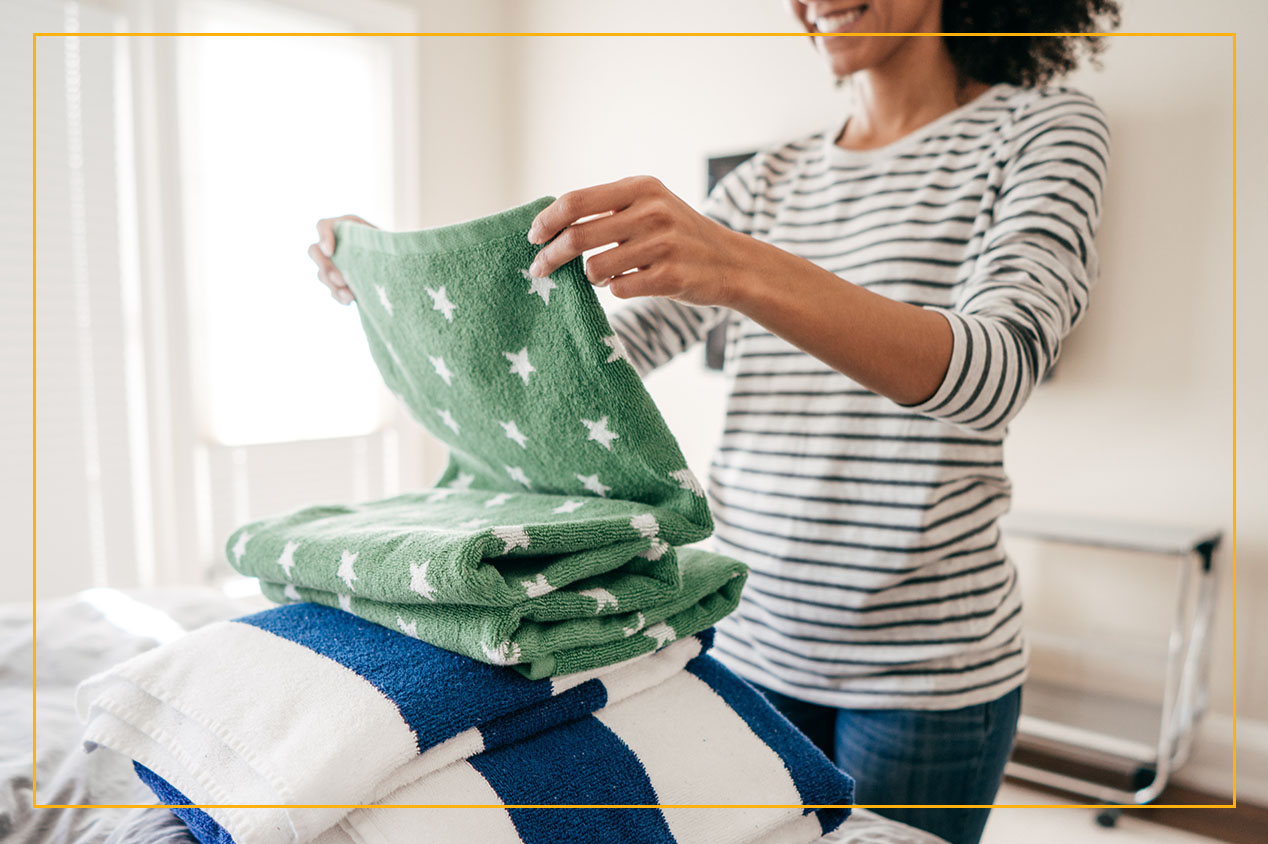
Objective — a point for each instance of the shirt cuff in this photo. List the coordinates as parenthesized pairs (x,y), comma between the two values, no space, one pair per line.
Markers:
(957,370)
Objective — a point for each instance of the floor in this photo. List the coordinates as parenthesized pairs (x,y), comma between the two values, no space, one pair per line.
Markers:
(1072,826)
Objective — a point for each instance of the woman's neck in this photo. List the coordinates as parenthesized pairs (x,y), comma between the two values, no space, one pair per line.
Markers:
(914,86)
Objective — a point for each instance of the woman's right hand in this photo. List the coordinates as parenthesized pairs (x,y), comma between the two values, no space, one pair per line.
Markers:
(321,251)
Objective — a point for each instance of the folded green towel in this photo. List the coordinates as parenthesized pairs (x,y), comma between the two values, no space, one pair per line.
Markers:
(549,542)
(549,583)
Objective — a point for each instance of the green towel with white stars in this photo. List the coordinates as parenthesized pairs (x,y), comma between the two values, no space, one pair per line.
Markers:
(550,541)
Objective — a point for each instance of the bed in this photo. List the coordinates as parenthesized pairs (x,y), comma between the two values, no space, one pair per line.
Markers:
(84,633)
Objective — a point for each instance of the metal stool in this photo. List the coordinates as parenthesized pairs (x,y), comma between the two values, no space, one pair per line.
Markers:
(1061,721)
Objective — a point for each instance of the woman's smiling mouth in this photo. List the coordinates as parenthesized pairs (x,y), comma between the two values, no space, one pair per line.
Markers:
(841,20)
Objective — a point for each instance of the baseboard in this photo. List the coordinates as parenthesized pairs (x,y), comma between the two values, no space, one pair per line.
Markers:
(1211,766)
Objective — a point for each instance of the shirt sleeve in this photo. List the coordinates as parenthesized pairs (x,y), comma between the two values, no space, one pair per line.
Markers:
(1031,281)
(654,329)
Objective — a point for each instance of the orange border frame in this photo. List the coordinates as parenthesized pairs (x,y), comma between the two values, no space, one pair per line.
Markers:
(35,804)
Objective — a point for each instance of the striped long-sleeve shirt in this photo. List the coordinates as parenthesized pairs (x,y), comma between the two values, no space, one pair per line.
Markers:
(878,576)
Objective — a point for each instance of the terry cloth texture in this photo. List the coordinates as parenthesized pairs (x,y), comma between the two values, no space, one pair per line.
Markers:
(549,542)
(523,379)
(543,594)
(702,737)
(333,709)
(328,709)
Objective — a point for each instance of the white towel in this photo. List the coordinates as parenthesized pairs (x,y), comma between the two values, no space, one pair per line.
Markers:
(309,705)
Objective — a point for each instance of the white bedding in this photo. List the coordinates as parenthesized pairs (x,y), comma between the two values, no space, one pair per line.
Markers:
(83,634)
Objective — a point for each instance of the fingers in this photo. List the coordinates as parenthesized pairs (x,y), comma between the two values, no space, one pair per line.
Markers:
(326,236)
(632,255)
(329,275)
(572,206)
(326,231)
(578,238)
(320,252)
(643,282)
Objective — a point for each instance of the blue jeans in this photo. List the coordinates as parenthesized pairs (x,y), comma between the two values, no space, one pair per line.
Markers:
(916,756)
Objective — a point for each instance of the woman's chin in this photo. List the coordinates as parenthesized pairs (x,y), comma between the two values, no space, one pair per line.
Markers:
(845,59)
(841,70)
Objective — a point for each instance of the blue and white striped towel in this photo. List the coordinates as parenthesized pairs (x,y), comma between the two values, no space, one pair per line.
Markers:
(703,736)
(304,704)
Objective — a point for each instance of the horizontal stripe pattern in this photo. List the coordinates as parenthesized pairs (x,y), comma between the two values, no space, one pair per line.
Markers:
(878,577)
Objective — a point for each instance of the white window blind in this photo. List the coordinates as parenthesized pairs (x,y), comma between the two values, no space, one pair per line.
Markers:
(140,480)
(86,529)
(24,17)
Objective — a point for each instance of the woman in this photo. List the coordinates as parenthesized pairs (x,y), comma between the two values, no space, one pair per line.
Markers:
(893,288)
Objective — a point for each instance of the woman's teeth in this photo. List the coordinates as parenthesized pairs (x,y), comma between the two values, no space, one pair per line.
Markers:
(834,22)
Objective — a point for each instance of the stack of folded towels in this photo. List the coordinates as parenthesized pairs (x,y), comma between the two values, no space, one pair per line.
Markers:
(528,633)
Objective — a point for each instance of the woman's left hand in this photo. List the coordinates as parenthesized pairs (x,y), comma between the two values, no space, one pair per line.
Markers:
(664,247)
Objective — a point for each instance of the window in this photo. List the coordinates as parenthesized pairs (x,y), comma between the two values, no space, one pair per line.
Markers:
(275,131)
(192,373)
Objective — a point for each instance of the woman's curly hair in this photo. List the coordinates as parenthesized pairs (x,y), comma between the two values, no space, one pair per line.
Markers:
(1024,60)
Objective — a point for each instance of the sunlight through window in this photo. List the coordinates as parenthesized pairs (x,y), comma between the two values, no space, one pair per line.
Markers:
(275,133)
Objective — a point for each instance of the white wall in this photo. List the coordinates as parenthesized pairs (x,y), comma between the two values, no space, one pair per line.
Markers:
(1138,422)
(466,85)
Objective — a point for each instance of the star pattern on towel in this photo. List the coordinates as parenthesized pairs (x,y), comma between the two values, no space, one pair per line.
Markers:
(656,550)
(441,369)
(539,285)
(599,432)
(387,305)
(504,654)
(602,596)
(537,587)
(519,364)
(688,481)
(287,559)
(662,633)
(418,580)
(635,627)
(618,349)
(447,418)
(645,524)
(346,561)
(592,483)
(240,547)
(513,432)
(499,499)
(513,535)
(291,592)
(440,302)
(517,475)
